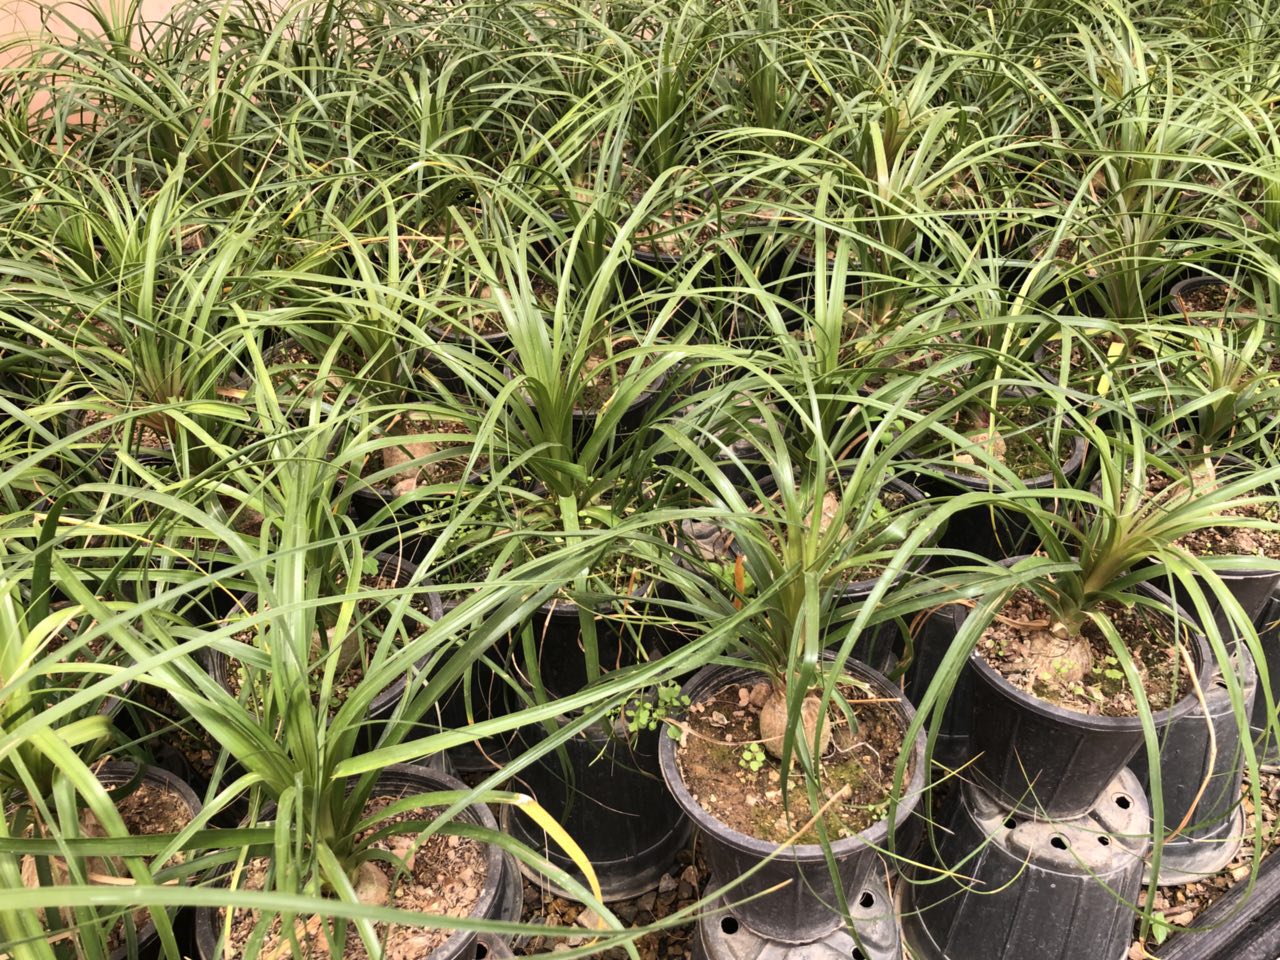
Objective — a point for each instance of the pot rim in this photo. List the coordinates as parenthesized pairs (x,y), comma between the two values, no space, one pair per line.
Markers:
(127,770)
(873,836)
(1043,708)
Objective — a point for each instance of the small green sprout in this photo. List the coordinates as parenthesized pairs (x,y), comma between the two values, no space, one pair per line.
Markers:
(1160,927)
(752,757)
(643,715)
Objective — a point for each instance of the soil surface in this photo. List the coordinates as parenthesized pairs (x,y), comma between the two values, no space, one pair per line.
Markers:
(600,373)
(483,317)
(1228,541)
(444,876)
(1225,540)
(176,742)
(151,808)
(1213,298)
(1020,440)
(451,469)
(919,358)
(713,764)
(1021,648)
(101,649)
(293,366)
(144,437)
(681,229)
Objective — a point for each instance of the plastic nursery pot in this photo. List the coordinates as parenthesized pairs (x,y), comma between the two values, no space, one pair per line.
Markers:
(880,647)
(386,517)
(1252,589)
(487,347)
(804,909)
(1034,755)
(501,897)
(1182,297)
(798,268)
(649,271)
(486,693)
(117,773)
(990,531)
(1200,781)
(719,934)
(395,567)
(632,419)
(931,640)
(1269,637)
(604,786)
(1024,888)
(154,457)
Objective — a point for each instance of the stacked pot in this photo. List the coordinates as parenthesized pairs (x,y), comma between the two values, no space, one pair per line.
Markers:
(1043,853)
(1202,755)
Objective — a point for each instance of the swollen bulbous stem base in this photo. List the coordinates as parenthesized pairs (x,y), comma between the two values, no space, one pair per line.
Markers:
(774,727)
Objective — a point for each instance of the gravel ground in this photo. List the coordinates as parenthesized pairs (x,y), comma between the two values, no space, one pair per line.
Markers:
(1181,905)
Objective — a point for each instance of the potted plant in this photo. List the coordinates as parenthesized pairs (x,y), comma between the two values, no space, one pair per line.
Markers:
(1077,658)
(369,840)
(65,801)
(995,434)
(765,760)
(577,407)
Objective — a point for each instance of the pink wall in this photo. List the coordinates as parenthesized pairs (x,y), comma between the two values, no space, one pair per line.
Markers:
(22,18)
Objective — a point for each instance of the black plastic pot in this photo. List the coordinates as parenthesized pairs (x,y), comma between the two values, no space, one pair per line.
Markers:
(611,800)
(875,936)
(632,419)
(1189,763)
(1036,756)
(401,526)
(880,647)
(931,642)
(1252,589)
(798,269)
(1269,636)
(604,786)
(992,532)
(117,773)
(501,898)
(1187,286)
(804,909)
(488,695)
(1024,888)
(490,348)
(105,460)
